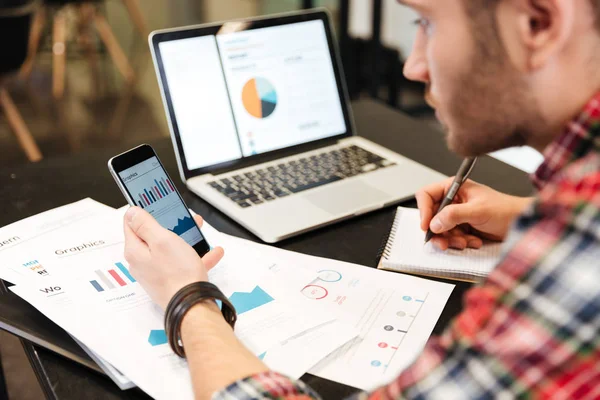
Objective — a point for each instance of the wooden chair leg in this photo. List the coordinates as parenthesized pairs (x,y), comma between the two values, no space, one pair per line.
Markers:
(114,49)
(15,121)
(86,16)
(59,57)
(37,27)
(120,113)
(135,12)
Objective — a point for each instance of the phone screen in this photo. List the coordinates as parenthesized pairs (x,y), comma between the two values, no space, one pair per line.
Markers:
(151,189)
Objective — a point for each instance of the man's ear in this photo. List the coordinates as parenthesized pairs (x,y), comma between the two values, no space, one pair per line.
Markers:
(544,27)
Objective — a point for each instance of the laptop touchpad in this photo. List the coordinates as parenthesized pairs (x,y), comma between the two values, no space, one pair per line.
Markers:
(346,197)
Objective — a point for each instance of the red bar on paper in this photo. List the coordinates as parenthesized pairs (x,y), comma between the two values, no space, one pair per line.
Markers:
(146,198)
(114,274)
(158,192)
(171,186)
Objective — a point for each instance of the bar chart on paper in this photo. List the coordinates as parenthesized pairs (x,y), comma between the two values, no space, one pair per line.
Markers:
(112,278)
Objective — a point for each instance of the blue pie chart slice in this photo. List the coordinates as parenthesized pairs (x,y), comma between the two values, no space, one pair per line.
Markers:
(259,97)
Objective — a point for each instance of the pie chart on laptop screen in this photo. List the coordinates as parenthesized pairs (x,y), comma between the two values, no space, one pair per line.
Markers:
(259,97)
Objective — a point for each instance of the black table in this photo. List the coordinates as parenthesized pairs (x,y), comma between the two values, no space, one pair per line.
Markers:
(33,188)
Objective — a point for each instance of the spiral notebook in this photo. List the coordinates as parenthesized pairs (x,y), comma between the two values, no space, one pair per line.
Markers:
(404,250)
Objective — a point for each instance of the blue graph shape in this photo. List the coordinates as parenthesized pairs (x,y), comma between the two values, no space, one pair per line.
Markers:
(244,302)
(183,225)
(271,97)
(157,337)
(266,91)
(125,271)
(262,356)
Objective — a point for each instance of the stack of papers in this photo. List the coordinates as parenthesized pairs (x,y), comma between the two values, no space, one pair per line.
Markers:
(298,313)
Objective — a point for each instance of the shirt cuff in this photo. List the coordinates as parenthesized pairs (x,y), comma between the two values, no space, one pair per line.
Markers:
(268,385)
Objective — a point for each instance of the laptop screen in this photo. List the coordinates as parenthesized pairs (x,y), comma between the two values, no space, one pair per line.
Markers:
(239,94)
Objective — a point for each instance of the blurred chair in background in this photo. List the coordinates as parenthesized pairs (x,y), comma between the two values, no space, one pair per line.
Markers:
(88,16)
(15,23)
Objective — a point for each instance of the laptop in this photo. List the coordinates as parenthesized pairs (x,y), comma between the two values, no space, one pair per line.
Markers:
(262,127)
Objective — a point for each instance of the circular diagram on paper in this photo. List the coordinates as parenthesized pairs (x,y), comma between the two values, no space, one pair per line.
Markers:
(328,275)
(315,292)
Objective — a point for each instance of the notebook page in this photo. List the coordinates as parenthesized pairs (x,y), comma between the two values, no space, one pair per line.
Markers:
(409,252)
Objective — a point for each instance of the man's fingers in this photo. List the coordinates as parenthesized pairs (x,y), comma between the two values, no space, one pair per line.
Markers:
(458,242)
(473,242)
(425,205)
(440,242)
(212,258)
(199,220)
(135,248)
(144,225)
(450,217)
(428,199)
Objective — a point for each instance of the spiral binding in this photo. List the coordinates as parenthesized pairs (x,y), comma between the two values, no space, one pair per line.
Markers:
(388,240)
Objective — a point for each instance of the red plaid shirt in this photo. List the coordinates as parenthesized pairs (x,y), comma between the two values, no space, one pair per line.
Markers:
(532,329)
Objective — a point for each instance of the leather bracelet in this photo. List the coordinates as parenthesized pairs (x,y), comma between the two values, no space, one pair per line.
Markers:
(183,301)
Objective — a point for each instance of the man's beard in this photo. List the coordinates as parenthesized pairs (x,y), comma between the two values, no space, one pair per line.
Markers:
(491,108)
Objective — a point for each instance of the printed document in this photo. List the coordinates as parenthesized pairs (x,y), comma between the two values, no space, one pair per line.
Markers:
(19,242)
(394,313)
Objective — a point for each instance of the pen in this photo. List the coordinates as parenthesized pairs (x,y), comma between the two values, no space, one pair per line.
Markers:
(461,176)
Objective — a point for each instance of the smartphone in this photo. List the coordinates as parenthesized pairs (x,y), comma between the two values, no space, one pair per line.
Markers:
(145,183)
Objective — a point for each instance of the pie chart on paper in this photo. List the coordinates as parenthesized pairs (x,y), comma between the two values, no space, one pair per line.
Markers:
(259,97)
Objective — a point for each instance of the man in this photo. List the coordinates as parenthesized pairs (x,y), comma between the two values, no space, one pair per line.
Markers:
(500,73)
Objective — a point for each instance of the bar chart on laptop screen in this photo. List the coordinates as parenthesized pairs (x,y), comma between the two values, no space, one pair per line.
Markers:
(153,191)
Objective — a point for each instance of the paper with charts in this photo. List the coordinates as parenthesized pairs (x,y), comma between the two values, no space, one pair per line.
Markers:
(298,313)
(92,295)
(19,241)
(394,313)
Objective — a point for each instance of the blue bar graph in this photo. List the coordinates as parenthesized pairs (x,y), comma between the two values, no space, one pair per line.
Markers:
(153,197)
(159,188)
(125,271)
(97,286)
(163,188)
(148,196)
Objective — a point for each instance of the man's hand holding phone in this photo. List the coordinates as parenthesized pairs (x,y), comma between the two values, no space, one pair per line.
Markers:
(160,260)
(144,181)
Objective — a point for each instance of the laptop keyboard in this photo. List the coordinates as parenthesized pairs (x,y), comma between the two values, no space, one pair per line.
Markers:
(281,180)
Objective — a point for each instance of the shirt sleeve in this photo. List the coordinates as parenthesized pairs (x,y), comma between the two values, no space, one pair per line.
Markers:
(268,385)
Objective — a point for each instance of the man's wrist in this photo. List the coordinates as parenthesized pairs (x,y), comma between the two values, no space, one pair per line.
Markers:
(186,299)
(204,317)
(524,203)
